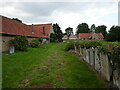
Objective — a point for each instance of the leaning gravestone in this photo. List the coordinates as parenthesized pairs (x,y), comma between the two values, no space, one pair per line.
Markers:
(12,49)
(92,62)
(87,55)
(97,60)
(105,66)
(116,78)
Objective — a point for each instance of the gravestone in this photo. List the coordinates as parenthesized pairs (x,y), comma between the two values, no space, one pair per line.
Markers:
(12,49)
(75,48)
(97,60)
(105,66)
(87,55)
(116,78)
(80,51)
(92,61)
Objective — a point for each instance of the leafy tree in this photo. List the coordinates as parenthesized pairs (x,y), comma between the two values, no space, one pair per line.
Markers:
(114,34)
(83,28)
(17,20)
(92,29)
(101,29)
(53,37)
(69,31)
(58,32)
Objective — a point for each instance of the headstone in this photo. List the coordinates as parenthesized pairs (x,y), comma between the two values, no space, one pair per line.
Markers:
(116,78)
(80,51)
(12,49)
(92,61)
(87,55)
(105,66)
(97,60)
(75,48)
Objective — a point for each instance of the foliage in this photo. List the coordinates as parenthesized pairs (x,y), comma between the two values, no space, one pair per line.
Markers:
(53,37)
(34,43)
(92,29)
(101,29)
(69,45)
(115,57)
(58,32)
(113,34)
(40,40)
(88,44)
(69,31)
(20,43)
(83,28)
(113,54)
(16,19)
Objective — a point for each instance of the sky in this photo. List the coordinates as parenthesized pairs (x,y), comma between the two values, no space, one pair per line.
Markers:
(66,14)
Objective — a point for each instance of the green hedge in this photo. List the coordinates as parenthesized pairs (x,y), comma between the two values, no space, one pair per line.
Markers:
(69,45)
(88,44)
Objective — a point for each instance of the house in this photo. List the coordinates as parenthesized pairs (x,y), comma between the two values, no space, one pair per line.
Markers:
(72,37)
(90,36)
(65,38)
(10,28)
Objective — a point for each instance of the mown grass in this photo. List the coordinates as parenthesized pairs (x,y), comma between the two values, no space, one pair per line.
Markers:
(47,67)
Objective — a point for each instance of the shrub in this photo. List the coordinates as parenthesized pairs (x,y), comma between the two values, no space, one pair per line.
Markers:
(70,45)
(88,44)
(40,40)
(53,37)
(20,43)
(34,43)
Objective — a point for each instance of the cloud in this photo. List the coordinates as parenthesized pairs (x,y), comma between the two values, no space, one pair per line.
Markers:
(66,14)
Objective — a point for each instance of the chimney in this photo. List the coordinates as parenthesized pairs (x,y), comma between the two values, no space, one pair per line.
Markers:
(44,30)
(32,29)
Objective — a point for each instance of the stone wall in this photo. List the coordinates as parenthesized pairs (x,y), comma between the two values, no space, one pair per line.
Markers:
(5,43)
(101,63)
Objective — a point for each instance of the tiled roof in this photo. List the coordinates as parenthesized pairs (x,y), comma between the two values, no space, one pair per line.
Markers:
(65,37)
(87,35)
(13,27)
(72,36)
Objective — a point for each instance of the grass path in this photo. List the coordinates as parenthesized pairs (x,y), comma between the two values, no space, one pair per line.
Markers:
(49,67)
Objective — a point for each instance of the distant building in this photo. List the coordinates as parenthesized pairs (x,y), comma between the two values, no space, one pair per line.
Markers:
(11,28)
(84,36)
(90,36)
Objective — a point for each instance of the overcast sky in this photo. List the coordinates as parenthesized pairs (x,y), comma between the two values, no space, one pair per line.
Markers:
(66,14)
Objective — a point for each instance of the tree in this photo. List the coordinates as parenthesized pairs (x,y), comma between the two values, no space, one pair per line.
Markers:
(58,32)
(17,20)
(114,34)
(83,28)
(69,31)
(101,29)
(92,29)
(53,37)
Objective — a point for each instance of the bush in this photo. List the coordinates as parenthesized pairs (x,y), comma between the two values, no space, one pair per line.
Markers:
(20,43)
(40,40)
(88,44)
(53,37)
(70,45)
(34,43)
